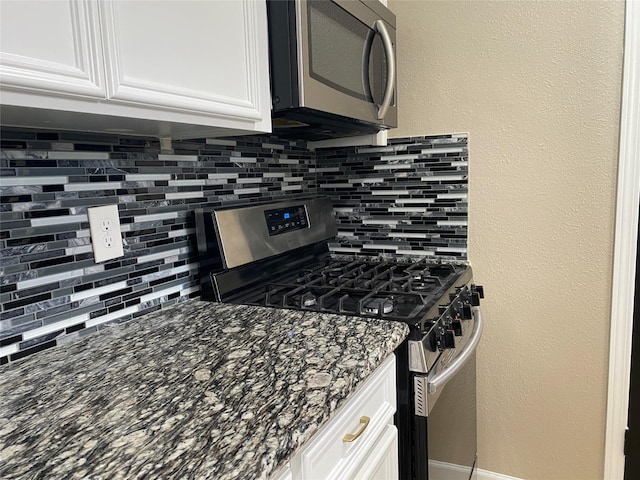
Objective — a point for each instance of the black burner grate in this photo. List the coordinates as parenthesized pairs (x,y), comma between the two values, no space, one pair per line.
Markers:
(396,291)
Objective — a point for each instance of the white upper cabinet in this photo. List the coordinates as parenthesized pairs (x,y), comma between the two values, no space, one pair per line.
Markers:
(191,55)
(181,68)
(51,46)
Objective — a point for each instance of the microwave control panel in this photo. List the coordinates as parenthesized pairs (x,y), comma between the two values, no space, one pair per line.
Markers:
(283,220)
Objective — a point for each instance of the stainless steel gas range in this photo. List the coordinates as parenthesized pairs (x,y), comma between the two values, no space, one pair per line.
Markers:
(276,255)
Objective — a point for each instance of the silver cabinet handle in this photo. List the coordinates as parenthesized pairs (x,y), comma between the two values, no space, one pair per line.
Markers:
(441,378)
(391,69)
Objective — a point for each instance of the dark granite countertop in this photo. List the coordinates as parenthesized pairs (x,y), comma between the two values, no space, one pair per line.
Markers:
(198,390)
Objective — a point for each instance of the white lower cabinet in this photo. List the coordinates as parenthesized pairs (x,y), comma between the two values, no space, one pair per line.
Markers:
(368,416)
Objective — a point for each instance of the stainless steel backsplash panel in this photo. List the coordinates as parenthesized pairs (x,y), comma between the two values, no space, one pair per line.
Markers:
(243,237)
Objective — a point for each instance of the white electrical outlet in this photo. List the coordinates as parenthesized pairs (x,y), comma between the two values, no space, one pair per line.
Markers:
(106,237)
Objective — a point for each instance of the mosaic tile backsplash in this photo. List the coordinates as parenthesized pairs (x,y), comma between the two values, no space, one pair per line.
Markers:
(405,199)
(51,288)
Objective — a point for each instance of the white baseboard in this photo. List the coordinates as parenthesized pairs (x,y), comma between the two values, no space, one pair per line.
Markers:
(450,471)
(447,471)
(487,475)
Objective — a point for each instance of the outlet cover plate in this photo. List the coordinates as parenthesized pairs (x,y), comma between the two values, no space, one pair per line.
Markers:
(106,237)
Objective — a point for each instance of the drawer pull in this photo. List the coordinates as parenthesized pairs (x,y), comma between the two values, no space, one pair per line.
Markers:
(364,423)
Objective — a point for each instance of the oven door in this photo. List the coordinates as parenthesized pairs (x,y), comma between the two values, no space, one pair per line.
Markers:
(445,413)
(451,428)
(347,59)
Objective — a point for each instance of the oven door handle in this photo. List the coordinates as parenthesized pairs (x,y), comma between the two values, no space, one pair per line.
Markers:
(441,378)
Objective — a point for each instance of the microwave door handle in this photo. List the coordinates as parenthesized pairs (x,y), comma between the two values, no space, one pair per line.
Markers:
(441,378)
(366,55)
(391,69)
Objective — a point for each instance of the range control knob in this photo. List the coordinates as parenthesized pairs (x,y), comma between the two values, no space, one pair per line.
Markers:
(466,313)
(432,342)
(426,329)
(475,298)
(456,326)
(449,339)
(479,289)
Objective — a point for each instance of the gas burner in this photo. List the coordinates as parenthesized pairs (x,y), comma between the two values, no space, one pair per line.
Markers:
(333,272)
(401,277)
(373,306)
(397,286)
(398,273)
(396,280)
(422,285)
(309,300)
(350,274)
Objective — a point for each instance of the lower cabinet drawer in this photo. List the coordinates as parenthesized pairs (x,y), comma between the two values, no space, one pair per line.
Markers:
(356,441)
(382,461)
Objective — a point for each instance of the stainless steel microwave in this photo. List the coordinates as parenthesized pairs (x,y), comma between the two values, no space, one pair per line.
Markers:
(333,67)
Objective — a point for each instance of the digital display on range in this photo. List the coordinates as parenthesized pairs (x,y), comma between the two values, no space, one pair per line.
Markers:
(283,220)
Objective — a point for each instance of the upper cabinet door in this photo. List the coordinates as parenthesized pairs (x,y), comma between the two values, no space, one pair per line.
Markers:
(201,57)
(51,47)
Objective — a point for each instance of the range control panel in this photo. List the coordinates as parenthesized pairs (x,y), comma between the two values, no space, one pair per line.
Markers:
(282,220)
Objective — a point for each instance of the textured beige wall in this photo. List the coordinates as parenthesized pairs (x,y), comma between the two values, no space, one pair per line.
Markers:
(537,86)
